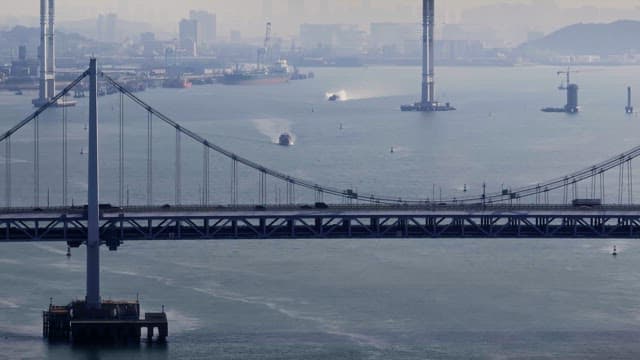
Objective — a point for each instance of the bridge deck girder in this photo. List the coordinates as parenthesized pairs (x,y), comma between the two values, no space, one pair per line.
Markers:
(323,224)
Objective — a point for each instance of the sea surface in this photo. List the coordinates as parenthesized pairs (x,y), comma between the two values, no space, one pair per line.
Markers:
(342,299)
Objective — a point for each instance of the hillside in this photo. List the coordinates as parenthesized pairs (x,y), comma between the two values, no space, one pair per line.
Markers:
(615,38)
(67,44)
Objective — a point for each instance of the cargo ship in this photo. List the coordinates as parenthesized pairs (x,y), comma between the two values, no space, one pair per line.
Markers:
(276,74)
(177,83)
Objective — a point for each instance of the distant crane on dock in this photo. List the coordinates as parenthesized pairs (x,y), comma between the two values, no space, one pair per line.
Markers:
(266,48)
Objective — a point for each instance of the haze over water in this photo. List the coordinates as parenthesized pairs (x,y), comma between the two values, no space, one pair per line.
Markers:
(379,299)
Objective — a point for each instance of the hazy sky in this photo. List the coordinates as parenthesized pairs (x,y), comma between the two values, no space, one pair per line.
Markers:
(248,15)
(170,9)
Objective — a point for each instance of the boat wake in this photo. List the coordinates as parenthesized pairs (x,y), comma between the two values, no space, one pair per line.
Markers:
(328,326)
(340,95)
(273,128)
(351,95)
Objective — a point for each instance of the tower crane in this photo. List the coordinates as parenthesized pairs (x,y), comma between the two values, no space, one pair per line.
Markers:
(262,52)
(567,72)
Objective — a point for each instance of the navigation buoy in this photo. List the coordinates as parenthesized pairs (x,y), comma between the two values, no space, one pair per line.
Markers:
(615,251)
(68,251)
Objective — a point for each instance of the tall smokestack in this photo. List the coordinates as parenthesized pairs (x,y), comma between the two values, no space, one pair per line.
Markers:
(43,52)
(428,16)
(51,57)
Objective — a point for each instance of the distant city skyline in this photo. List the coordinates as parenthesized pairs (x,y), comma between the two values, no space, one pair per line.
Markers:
(507,22)
(80,9)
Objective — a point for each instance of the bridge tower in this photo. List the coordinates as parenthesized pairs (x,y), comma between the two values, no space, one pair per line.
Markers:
(93,207)
(47,57)
(428,68)
(427,102)
(93,321)
(43,54)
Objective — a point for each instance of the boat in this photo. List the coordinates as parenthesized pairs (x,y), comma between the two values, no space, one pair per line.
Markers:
(334,97)
(297,75)
(18,92)
(285,140)
(176,83)
(276,74)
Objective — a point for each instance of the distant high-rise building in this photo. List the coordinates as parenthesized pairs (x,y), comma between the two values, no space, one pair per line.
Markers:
(22,53)
(189,37)
(399,37)
(24,67)
(149,44)
(107,27)
(235,36)
(339,39)
(207,26)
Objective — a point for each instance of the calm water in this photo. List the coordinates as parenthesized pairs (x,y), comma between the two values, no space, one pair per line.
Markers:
(382,299)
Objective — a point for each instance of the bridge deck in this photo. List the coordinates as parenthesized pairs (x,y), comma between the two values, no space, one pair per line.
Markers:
(218,223)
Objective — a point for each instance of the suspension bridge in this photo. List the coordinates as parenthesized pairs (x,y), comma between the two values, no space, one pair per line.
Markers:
(550,209)
(304,209)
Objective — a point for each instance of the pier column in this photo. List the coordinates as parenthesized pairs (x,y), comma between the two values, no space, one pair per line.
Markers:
(43,53)
(51,49)
(93,208)
(428,17)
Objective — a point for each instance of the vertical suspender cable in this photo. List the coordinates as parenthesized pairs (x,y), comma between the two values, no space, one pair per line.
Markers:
(178,179)
(7,164)
(261,188)
(620,181)
(234,181)
(65,156)
(602,192)
(121,152)
(36,163)
(546,196)
(149,158)
(630,181)
(205,174)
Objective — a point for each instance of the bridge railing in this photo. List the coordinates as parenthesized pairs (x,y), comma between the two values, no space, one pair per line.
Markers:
(309,208)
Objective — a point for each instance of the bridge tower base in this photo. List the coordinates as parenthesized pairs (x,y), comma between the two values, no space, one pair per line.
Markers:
(115,322)
(92,320)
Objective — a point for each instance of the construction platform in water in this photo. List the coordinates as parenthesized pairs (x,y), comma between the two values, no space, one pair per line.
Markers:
(115,322)
(428,107)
